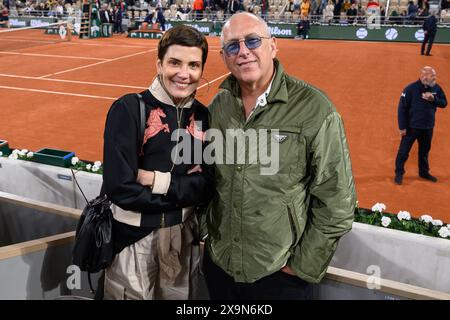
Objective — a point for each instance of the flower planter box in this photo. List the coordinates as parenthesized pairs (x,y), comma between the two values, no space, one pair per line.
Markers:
(4,147)
(395,255)
(53,157)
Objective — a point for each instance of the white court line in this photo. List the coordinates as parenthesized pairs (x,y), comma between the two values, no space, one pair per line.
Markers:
(86,95)
(59,93)
(97,63)
(28,40)
(72,81)
(51,55)
(108,45)
(218,78)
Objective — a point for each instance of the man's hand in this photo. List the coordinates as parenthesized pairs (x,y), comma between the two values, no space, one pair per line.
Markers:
(428,96)
(403,132)
(146,178)
(288,270)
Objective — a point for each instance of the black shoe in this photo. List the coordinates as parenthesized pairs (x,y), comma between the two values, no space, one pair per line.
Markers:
(428,54)
(421,53)
(398,179)
(428,177)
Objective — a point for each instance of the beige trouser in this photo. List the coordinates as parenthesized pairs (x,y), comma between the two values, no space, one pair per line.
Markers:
(163,265)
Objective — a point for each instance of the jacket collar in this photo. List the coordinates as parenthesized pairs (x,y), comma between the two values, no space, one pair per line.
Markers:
(160,93)
(278,91)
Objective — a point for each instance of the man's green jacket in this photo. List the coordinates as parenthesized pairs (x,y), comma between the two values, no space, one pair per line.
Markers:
(260,218)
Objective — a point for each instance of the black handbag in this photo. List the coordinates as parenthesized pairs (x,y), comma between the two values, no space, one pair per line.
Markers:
(94,248)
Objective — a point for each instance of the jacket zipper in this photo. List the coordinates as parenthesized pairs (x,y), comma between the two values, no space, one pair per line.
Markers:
(179,117)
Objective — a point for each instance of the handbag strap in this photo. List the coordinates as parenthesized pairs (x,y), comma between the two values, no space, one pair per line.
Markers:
(142,117)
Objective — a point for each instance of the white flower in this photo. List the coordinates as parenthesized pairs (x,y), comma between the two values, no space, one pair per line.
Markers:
(1,154)
(97,164)
(95,168)
(403,215)
(437,222)
(24,151)
(75,160)
(444,232)
(30,154)
(385,221)
(13,156)
(426,218)
(448,226)
(15,151)
(21,153)
(379,207)
(88,167)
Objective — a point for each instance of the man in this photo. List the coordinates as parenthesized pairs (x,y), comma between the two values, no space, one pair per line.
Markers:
(105,14)
(303,28)
(429,30)
(160,17)
(272,233)
(416,117)
(352,12)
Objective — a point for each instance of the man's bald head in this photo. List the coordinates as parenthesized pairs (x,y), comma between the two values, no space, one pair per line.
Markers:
(428,76)
(427,69)
(247,17)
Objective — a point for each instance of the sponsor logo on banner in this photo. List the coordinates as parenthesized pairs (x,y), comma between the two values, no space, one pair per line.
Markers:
(17,23)
(202,29)
(391,34)
(38,23)
(419,35)
(277,31)
(361,33)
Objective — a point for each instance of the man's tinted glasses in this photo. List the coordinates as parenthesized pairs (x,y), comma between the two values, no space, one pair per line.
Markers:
(251,42)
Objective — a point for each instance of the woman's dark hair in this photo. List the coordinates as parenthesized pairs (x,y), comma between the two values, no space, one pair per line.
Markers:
(183,35)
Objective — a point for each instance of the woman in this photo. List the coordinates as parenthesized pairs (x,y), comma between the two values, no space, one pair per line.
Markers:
(154,230)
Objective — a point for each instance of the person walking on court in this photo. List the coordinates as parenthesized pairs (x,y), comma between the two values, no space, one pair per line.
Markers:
(416,119)
(429,30)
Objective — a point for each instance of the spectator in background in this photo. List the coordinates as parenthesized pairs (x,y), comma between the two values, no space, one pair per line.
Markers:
(412,12)
(105,14)
(4,15)
(382,14)
(352,12)
(337,10)
(425,9)
(305,7)
(303,28)
(197,6)
(429,29)
(445,4)
(328,13)
(416,118)
(160,18)
(346,5)
(117,19)
(232,6)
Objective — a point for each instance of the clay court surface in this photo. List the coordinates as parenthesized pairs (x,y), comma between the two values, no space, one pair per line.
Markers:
(57,95)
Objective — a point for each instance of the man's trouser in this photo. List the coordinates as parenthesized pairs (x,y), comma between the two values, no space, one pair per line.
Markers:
(429,38)
(277,286)
(423,137)
(163,265)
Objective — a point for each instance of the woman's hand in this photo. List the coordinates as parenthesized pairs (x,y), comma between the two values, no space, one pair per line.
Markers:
(195,169)
(146,178)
